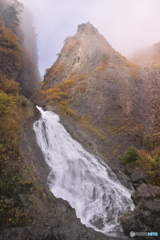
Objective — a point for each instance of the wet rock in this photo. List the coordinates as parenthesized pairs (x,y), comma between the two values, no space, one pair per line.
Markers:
(97,223)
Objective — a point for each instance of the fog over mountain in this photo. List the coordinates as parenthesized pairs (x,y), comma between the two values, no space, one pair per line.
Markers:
(127,25)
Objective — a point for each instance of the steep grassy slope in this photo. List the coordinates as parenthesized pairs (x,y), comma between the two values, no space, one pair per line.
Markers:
(14,111)
(15,176)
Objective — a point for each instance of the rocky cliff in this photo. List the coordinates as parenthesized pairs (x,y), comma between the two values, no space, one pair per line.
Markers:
(93,82)
(18,53)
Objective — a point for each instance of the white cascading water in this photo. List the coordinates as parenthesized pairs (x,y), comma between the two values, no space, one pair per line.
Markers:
(81,178)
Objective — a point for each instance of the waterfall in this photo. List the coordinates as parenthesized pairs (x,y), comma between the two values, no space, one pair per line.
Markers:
(84,180)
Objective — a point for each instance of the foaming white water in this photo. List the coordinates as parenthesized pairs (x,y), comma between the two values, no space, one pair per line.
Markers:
(81,178)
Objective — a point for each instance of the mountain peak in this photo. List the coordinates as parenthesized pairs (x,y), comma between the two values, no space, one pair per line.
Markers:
(83,53)
(87,28)
(91,80)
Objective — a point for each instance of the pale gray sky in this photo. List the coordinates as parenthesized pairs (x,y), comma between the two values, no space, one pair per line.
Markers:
(126,24)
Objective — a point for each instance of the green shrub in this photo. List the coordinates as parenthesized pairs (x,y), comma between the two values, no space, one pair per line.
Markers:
(130,155)
(150,163)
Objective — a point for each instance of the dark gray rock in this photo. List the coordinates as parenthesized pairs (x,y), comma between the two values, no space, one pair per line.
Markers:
(146,215)
(137,177)
(97,223)
(147,192)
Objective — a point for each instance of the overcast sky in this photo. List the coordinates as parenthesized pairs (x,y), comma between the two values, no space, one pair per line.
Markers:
(126,24)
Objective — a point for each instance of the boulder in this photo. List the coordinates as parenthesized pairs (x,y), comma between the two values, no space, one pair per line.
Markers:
(147,192)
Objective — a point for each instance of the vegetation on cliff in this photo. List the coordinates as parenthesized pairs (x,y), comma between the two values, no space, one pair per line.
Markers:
(62,96)
(11,55)
(18,62)
(14,111)
(149,161)
(20,185)
(110,92)
(26,204)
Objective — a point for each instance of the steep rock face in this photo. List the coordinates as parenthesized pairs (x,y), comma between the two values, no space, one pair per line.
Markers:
(102,68)
(121,98)
(29,75)
(89,53)
(81,53)
(149,61)
(18,61)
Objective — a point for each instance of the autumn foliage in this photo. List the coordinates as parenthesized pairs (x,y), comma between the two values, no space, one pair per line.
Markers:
(60,92)
(9,86)
(148,161)
(11,54)
(12,116)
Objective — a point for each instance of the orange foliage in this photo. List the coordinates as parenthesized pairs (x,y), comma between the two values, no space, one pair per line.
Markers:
(60,92)
(8,39)
(9,86)
(11,56)
(55,70)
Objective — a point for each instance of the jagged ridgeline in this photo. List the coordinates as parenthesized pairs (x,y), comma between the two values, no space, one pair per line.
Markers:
(18,50)
(98,87)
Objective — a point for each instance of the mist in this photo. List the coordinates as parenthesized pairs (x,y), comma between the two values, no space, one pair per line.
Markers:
(127,25)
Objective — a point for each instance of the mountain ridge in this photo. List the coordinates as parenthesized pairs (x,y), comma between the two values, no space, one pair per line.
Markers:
(88,53)
(103,83)
(148,56)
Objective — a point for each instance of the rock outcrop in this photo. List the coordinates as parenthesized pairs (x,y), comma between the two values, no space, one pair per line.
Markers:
(146,215)
(95,82)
